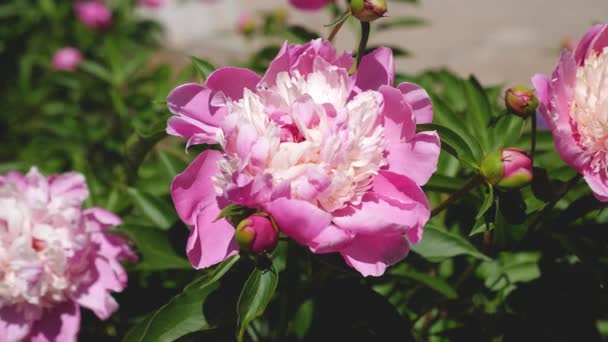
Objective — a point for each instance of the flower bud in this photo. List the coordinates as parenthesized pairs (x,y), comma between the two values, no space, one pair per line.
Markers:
(258,233)
(93,14)
(245,24)
(368,10)
(508,168)
(521,101)
(66,59)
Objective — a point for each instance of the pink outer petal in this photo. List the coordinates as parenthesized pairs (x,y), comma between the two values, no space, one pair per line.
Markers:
(377,69)
(585,44)
(331,239)
(60,323)
(210,241)
(598,182)
(372,254)
(562,88)
(193,188)
(417,158)
(232,81)
(601,40)
(397,116)
(299,220)
(95,294)
(542,86)
(13,325)
(395,205)
(69,185)
(309,5)
(101,219)
(419,100)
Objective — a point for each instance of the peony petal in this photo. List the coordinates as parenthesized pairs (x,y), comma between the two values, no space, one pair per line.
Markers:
(417,158)
(331,239)
(309,5)
(372,254)
(583,46)
(298,219)
(399,121)
(569,150)
(542,86)
(600,41)
(376,69)
(69,185)
(194,187)
(419,100)
(562,88)
(210,241)
(61,323)
(95,294)
(598,182)
(232,81)
(13,325)
(101,219)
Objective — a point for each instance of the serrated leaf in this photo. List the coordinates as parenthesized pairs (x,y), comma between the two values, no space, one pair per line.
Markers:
(256,295)
(437,243)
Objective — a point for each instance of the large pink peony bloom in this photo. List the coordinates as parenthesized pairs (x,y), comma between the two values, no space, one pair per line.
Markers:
(334,158)
(54,257)
(309,5)
(574,104)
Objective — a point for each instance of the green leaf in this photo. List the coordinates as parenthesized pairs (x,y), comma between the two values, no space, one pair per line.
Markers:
(154,246)
(184,313)
(400,22)
(441,183)
(479,110)
(452,143)
(203,68)
(256,295)
(154,208)
(434,282)
(97,70)
(234,213)
(437,244)
(487,203)
(510,268)
(171,165)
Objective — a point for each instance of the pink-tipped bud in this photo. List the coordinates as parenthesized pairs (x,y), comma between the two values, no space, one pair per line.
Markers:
(66,59)
(93,14)
(521,101)
(258,234)
(509,168)
(246,24)
(368,10)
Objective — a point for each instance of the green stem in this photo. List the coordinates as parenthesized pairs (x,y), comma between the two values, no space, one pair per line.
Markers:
(533,144)
(470,185)
(365,29)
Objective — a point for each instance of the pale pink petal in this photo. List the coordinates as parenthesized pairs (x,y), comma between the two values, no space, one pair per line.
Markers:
(598,182)
(397,116)
(419,100)
(562,88)
(569,150)
(584,45)
(193,188)
(422,151)
(94,294)
(331,239)
(298,219)
(376,69)
(210,241)
(101,219)
(232,81)
(372,254)
(69,185)
(542,85)
(60,323)
(13,325)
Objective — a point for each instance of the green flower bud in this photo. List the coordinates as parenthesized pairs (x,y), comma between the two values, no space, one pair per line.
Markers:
(508,168)
(521,101)
(368,10)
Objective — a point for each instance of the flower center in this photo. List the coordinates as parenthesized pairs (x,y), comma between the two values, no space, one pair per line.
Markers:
(589,108)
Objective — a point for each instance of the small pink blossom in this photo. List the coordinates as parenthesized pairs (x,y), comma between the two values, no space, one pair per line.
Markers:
(55,257)
(67,59)
(309,5)
(151,3)
(93,14)
(574,104)
(334,158)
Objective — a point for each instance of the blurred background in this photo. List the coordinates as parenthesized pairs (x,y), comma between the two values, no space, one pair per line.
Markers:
(498,41)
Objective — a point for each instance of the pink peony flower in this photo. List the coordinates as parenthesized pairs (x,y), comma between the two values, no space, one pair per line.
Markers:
(574,104)
(151,3)
(309,5)
(334,158)
(93,14)
(66,59)
(54,257)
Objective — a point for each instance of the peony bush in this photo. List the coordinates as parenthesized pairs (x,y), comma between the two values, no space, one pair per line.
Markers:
(295,192)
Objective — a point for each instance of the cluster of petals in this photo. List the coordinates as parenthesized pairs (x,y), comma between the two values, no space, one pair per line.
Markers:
(55,257)
(574,105)
(334,158)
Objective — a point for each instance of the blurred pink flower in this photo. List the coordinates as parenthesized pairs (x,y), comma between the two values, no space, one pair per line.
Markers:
(55,256)
(66,59)
(334,158)
(574,104)
(151,3)
(93,14)
(309,5)
(245,23)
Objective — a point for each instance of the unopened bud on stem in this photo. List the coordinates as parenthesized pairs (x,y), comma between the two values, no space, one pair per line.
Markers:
(508,168)
(368,10)
(521,101)
(258,234)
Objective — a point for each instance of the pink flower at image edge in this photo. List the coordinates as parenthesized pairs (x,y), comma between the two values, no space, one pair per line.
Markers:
(574,106)
(334,158)
(67,59)
(309,5)
(55,257)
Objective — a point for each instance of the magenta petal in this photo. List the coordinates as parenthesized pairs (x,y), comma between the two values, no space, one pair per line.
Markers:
(95,294)
(601,39)
(233,81)
(419,100)
(562,87)
(598,182)
(210,241)
(376,69)
(298,219)
(542,86)
(399,121)
(61,323)
(422,151)
(309,5)
(13,325)
(583,46)
(193,188)
(331,239)
(372,254)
